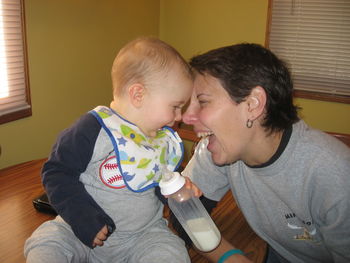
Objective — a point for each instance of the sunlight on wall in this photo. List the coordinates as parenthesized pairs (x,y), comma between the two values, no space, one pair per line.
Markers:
(4,90)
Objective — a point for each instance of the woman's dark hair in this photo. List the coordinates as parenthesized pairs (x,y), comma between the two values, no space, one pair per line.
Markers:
(242,67)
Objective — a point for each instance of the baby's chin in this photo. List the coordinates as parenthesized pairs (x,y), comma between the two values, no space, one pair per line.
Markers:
(150,134)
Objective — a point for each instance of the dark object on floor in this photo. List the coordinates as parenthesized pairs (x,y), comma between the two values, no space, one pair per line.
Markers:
(42,204)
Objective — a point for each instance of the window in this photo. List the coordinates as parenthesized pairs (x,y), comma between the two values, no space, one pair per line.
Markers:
(14,84)
(313,37)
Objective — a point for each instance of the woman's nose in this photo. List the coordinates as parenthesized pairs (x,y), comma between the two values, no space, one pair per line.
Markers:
(190,115)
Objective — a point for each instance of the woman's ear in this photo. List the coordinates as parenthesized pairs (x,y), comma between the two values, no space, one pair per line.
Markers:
(136,94)
(256,102)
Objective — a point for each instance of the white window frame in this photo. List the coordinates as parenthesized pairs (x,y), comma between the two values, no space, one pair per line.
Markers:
(313,37)
(15,100)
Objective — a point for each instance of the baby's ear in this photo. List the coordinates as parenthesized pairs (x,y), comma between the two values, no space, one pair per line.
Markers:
(136,94)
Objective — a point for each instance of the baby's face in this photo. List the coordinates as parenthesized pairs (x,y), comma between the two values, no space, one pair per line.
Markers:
(164,103)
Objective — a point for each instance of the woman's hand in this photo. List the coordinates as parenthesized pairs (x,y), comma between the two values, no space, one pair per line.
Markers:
(190,185)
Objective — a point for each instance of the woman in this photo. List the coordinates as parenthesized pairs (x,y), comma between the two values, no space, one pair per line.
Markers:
(291,182)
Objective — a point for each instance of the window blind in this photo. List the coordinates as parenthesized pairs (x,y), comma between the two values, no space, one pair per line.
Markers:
(313,37)
(14,90)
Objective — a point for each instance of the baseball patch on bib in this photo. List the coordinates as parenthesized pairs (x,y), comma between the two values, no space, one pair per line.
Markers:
(110,174)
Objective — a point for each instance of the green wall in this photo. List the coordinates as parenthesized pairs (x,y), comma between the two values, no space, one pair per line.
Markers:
(72,45)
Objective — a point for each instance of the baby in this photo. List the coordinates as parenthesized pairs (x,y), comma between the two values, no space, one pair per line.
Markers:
(103,171)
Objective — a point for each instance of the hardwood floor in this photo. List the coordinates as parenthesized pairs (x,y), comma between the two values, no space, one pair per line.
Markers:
(20,184)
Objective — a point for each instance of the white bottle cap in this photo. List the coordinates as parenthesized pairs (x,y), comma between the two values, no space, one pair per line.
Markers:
(171,182)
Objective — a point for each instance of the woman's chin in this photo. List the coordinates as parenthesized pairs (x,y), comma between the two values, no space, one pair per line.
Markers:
(216,151)
(216,157)
(217,160)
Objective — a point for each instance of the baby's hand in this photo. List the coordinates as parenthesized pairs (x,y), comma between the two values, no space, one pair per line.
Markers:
(189,185)
(100,237)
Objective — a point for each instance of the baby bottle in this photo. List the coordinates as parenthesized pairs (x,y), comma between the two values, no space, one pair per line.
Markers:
(190,212)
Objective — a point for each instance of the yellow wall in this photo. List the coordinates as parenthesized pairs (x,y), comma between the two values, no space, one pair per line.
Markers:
(72,44)
(71,47)
(195,26)
(326,116)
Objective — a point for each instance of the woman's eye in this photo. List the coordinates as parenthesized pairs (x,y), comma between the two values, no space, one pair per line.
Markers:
(202,102)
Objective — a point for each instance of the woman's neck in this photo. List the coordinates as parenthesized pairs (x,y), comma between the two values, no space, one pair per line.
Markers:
(262,147)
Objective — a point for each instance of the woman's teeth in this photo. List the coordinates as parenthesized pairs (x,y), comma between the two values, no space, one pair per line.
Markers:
(204,134)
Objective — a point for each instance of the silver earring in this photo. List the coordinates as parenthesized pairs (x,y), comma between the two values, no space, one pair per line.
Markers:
(249,123)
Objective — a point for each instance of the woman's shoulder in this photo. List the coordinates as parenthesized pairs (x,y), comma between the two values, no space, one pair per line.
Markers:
(317,140)
(324,157)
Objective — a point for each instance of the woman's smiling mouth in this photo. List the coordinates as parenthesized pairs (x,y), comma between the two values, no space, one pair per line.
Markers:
(204,134)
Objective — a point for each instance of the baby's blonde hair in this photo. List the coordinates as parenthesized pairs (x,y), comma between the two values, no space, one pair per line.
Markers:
(141,60)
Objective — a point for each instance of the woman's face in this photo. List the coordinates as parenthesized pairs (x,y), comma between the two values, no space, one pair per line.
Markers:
(213,113)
